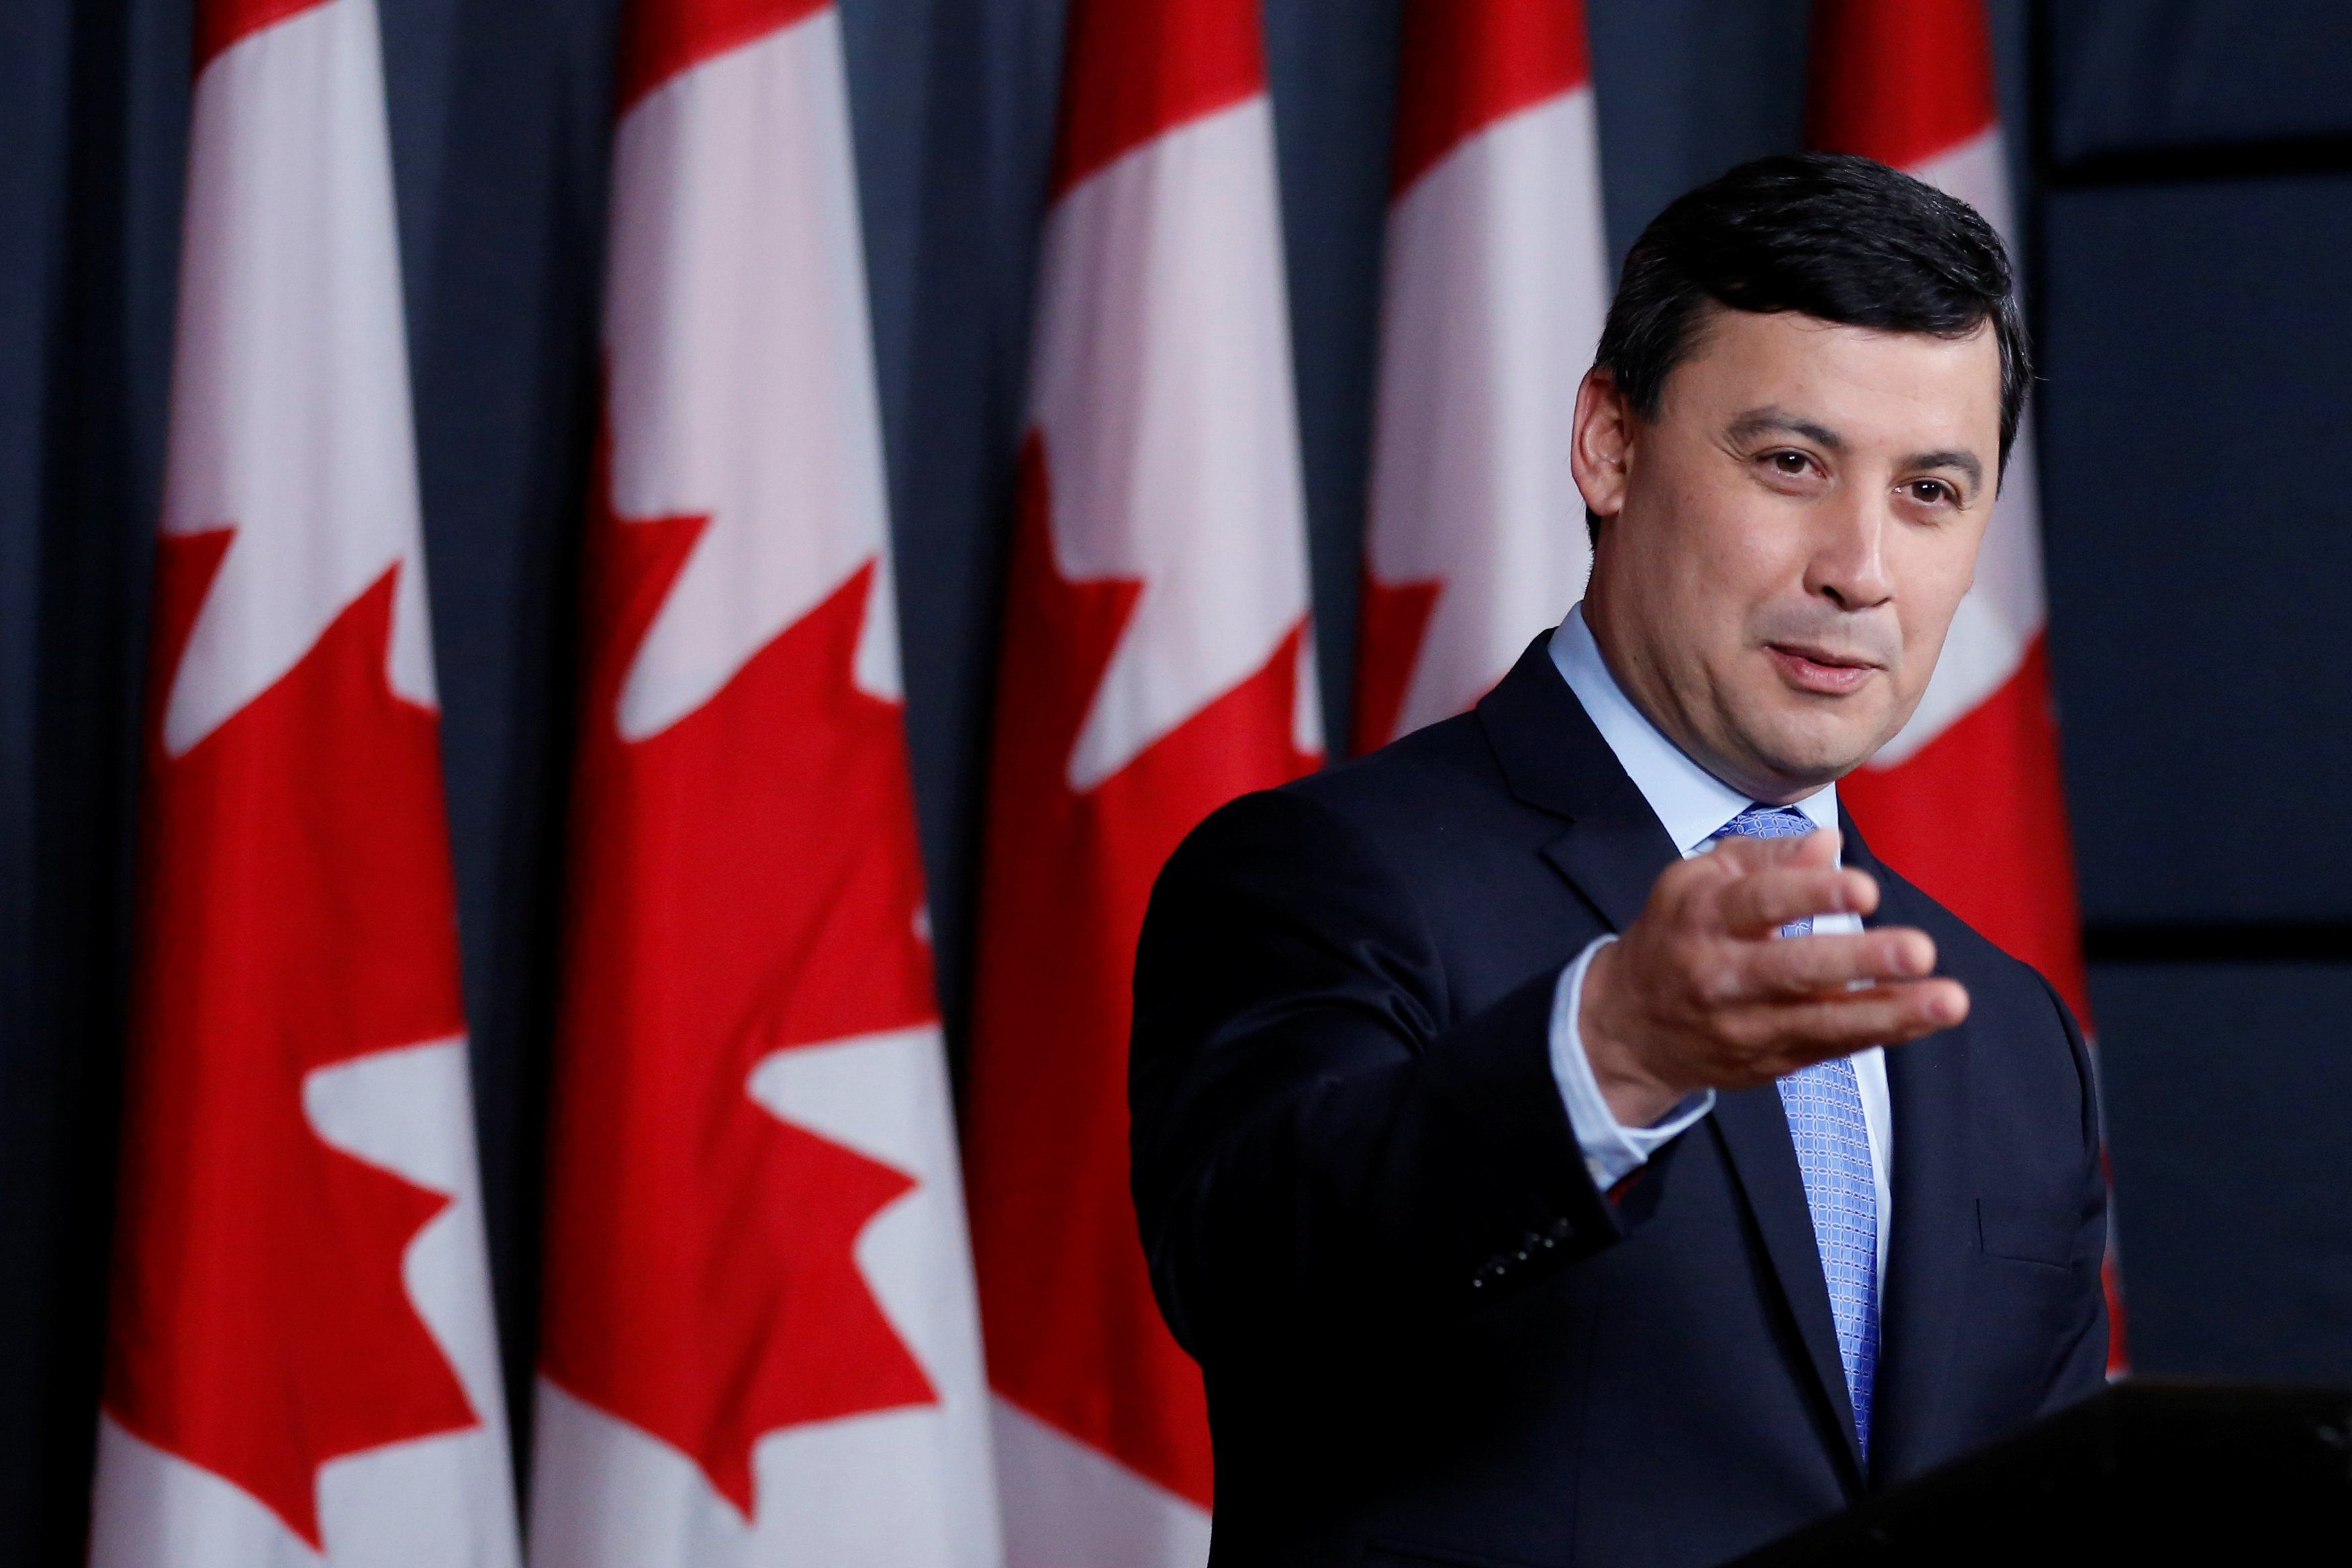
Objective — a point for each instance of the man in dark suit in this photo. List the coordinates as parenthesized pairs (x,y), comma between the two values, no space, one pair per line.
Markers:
(1557,1151)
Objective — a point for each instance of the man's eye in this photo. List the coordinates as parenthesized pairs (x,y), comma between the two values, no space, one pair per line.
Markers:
(1932,491)
(1790,462)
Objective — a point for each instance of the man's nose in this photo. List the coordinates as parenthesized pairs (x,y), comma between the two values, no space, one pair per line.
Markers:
(1849,566)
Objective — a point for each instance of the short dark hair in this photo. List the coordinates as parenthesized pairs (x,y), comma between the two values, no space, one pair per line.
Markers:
(1827,235)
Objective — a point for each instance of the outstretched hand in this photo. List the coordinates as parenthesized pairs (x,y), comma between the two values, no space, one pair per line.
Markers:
(1701,991)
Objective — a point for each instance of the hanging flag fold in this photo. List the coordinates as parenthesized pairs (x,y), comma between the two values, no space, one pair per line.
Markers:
(302,1366)
(759,1344)
(1156,663)
(1496,286)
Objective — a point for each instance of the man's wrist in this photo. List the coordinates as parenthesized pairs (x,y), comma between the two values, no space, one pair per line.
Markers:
(1636,1096)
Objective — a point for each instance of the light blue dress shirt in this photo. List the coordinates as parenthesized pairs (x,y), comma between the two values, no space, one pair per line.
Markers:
(1690,804)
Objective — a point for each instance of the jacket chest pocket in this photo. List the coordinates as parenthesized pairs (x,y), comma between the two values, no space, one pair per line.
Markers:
(2027,1232)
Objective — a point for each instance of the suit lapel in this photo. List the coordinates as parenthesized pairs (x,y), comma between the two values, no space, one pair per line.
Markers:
(1754,1128)
(1613,865)
(1931,1231)
(1554,760)
(1611,849)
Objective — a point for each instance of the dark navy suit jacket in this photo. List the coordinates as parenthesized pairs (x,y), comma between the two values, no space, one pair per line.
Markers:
(1426,1338)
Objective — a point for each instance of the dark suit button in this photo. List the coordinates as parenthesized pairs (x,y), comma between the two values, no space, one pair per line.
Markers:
(1478,1284)
(1560,1229)
(1523,1257)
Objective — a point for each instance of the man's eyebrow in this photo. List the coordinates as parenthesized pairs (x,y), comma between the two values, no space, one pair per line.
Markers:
(1767,420)
(1965,462)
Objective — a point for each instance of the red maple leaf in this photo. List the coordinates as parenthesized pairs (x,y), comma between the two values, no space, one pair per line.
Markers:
(296,912)
(744,880)
(1074,1335)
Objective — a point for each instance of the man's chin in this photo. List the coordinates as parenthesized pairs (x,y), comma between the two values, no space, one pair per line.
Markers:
(1802,756)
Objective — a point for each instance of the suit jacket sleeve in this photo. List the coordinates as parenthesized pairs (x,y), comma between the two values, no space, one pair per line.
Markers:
(1319,1146)
(2082,1366)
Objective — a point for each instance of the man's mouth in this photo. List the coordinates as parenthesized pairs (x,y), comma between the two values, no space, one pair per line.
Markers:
(1822,670)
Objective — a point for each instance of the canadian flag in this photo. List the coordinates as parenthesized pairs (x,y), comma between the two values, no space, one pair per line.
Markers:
(301,1362)
(1497,282)
(1912,85)
(760,1340)
(1156,663)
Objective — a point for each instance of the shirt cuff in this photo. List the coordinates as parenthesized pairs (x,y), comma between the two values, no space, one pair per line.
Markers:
(1612,1151)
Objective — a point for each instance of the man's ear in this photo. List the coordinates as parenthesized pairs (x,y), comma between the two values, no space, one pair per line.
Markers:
(1601,444)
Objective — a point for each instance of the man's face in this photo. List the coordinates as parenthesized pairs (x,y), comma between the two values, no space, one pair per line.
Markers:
(1781,550)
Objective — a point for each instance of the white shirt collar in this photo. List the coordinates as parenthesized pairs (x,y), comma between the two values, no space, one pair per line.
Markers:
(1690,802)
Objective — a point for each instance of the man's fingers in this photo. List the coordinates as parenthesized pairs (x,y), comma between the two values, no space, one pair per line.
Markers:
(1818,848)
(1794,1034)
(1760,904)
(1810,966)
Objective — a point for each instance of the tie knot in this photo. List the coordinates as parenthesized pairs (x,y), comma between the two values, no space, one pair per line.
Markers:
(1766,823)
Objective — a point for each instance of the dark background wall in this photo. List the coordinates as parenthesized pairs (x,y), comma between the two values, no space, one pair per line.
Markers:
(2186,173)
(2194,168)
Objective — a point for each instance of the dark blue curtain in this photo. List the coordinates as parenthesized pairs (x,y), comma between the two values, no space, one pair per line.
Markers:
(2188,173)
(93,104)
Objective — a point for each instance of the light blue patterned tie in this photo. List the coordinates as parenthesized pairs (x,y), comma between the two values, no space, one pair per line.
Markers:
(1823,1103)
